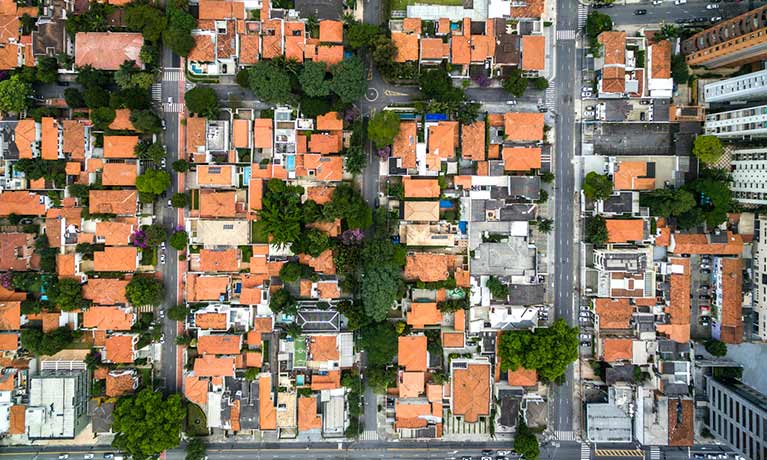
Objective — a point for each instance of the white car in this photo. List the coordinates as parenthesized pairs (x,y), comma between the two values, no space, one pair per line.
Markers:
(585,94)
(88,456)
(164,163)
(588,113)
(585,336)
(680,2)
(63,456)
(512,102)
(170,204)
(657,2)
(716,19)
(712,6)
(162,258)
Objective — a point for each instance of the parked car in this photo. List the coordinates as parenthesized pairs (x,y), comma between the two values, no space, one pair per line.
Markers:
(170,204)
(585,343)
(700,19)
(589,107)
(646,101)
(705,271)
(162,122)
(715,19)
(657,2)
(162,258)
(63,456)
(164,163)
(487,452)
(87,456)
(712,6)
(681,20)
(584,314)
(589,113)
(109,455)
(503,452)
(585,336)
(640,12)
(511,102)
(680,2)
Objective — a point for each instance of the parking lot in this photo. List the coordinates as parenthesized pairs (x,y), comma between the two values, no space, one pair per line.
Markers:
(693,13)
(702,297)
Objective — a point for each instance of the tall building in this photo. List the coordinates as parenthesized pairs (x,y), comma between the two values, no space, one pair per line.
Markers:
(738,416)
(740,123)
(730,43)
(752,86)
(58,402)
(759,313)
(749,175)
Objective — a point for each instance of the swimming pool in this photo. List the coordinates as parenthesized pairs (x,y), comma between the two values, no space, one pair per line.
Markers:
(290,162)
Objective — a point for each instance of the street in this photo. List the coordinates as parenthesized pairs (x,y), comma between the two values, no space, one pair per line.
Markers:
(624,14)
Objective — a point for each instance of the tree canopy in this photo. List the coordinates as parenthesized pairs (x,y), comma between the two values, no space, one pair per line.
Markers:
(102,117)
(383,127)
(708,149)
(349,81)
(146,121)
(596,23)
(40,343)
(379,341)
(153,181)
(525,442)
(313,79)
(596,230)
(202,100)
(715,347)
(665,202)
(281,213)
(679,70)
(143,290)
(179,200)
(361,34)
(66,294)
(380,285)
(597,186)
(515,83)
(179,240)
(271,82)
(146,424)
(14,94)
(436,84)
(546,350)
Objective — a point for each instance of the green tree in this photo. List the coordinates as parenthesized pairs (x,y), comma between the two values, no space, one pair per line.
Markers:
(271,83)
(95,97)
(153,181)
(361,34)
(312,79)
(178,313)
(355,159)
(596,23)
(666,202)
(708,149)
(597,186)
(179,200)
(384,52)
(525,442)
(515,83)
(546,350)
(178,240)
(540,83)
(178,35)
(545,225)
(596,230)
(142,80)
(379,289)
(66,294)
(143,290)
(349,81)
(290,272)
(144,18)
(715,347)
(283,302)
(46,344)
(181,166)
(202,100)
(146,424)
(281,213)
(313,242)
(498,289)
(379,378)
(74,98)
(383,128)
(146,121)
(679,70)
(195,449)
(123,75)
(155,234)
(47,69)
(467,113)
(379,341)
(437,85)
(349,205)
(179,40)
(102,117)
(14,95)
(150,152)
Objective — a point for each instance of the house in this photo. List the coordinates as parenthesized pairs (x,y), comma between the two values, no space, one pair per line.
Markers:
(108,50)
(470,389)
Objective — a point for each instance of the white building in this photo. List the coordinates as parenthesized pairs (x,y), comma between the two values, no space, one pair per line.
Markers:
(742,88)
(760,280)
(741,123)
(749,175)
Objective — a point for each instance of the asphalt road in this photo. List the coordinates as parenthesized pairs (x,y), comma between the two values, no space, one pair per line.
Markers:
(623,15)
(566,72)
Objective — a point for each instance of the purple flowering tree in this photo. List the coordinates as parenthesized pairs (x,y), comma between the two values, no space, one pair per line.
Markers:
(384,153)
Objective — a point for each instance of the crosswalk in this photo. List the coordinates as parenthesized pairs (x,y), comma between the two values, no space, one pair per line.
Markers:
(583,14)
(369,435)
(157,92)
(619,453)
(565,35)
(170,75)
(585,451)
(565,435)
(551,95)
(654,453)
(172,107)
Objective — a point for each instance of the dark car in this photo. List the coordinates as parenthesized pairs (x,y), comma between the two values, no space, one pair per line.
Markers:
(487,452)
(701,19)
(640,12)
(681,20)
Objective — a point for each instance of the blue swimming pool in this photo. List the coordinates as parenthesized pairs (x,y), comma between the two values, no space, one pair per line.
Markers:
(290,162)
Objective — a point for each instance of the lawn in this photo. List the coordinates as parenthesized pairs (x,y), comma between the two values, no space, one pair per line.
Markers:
(299,353)
(196,423)
(402,4)
(258,233)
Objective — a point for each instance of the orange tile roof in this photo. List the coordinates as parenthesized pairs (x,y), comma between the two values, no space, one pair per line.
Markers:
(453,339)
(679,302)
(205,287)
(271,38)
(122,121)
(427,267)
(215,175)
(307,413)
(120,385)
(412,25)
(407,46)
(107,50)
(321,194)
(74,138)
(214,366)
(218,261)
(460,50)
(459,320)
(16,250)
(521,158)
(221,9)
(697,243)
(411,384)
(482,47)
(65,265)
(411,352)
(732,301)
(241,133)
(116,259)
(196,390)
(323,348)
(50,139)
(9,341)
(405,144)
(664,239)
(267,412)
(120,349)
(255,194)
(26,137)
(660,55)
(523,126)
(331,121)
(120,202)
(119,174)
(617,350)
(105,291)
(330,381)
(473,141)
(421,188)
(7,381)
(331,31)
(681,422)
(234,416)
(423,314)
(322,264)
(613,313)
(624,230)
(204,49)
(434,49)
(9,56)
(218,204)
(434,392)
(523,377)
(253,359)
(108,319)
(443,138)
(471,392)
(613,47)
(631,175)
(262,133)
(17,419)
(328,290)
(330,169)
(9,27)
(249,44)
(195,134)
(326,143)
(530,9)
(533,52)
(120,146)
(411,415)
(219,344)
(295,40)
(21,203)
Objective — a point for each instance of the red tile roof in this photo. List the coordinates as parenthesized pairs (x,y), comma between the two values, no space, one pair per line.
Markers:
(107,50)
(471,391)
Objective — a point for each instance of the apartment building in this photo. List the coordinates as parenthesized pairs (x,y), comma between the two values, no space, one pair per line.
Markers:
(759,314)
(738,416)
(730,43)
(744,87)
(741,123)
(749,175)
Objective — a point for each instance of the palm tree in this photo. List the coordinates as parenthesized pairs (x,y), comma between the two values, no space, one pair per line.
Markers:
(545,225)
